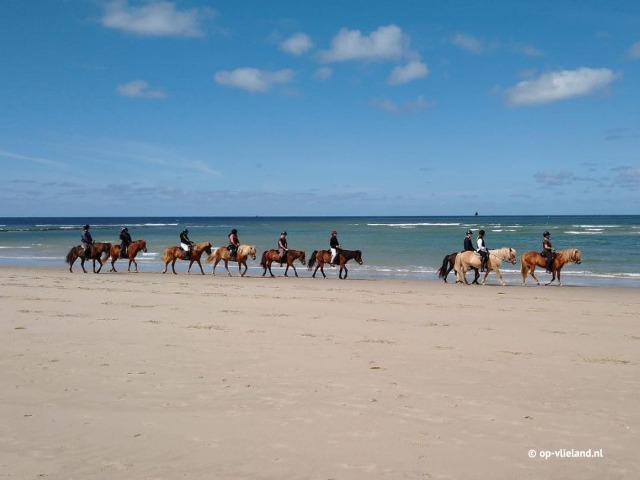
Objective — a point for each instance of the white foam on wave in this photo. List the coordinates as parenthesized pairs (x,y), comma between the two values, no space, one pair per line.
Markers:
(413,225)
(575,232)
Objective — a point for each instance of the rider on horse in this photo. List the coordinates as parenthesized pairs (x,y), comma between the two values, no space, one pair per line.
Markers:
(86,239)
(482,250)
(468,245)
(125,241)
(334,245)
(282,247)
(185,243)
(234,243)
(547,250)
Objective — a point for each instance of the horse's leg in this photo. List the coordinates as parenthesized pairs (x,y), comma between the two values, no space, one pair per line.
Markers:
(346,272)
(226,267)
(499,276)
(200,265)
(463,274)
(94,264)
(82,264)
(294,270)
(245,267)
(533,274)
(165,266)
(215,264)
(173,266)
(71,264)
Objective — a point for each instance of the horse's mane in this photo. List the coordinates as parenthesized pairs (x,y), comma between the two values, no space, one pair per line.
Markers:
(567,255)
(247,249)
(202,245)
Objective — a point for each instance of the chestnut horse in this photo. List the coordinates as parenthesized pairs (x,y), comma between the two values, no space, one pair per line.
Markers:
(95,251)
(529,261)
(171,254)
(270,256)
(223,253)
(447,265)
(324,256)
(467,260)
(132,250)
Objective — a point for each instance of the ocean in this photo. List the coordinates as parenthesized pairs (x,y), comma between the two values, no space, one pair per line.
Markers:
(392,247)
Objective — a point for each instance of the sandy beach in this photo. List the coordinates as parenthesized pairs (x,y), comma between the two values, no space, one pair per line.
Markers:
(151,376)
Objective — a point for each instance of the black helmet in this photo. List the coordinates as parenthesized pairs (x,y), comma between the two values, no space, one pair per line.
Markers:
(284,232)
(86,227)
(481,232)
(469,232)
(124,229)
(185,231)
(234,231)
(546,234)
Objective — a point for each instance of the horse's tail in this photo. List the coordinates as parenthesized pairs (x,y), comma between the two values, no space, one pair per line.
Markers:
(443,269)
(263,261)
(312,260)
(524,267)
(211,257)
(165,255)
(69,258)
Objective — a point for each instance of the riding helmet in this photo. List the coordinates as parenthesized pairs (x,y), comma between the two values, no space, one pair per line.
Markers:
(185,231)
(284,233)
(124,229)
(469,232)
(234,231)
(86,227)
(546,234)
(481,232)
(334,233)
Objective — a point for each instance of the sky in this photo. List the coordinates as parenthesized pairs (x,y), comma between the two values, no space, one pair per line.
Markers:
(319,108)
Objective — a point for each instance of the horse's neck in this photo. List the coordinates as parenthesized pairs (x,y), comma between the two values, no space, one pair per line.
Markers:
(565,255)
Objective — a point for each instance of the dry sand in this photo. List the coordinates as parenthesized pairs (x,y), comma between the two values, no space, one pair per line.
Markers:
(151,376)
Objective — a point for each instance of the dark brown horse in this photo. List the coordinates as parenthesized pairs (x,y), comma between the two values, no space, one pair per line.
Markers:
(95,251)
(223,253)
(529,261)
(324,256)
(132,250)
(448,264)
(171,254)
(270,256)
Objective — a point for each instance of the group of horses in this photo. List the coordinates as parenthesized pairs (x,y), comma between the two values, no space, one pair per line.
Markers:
(101,252)
(462,262)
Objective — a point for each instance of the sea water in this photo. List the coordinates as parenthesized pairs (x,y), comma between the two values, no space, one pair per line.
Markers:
(392,247)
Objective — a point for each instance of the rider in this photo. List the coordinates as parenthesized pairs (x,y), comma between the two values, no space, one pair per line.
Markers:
(234,243)
(334,245)
(547,250)
(468,245)
(185,243)
(282,247)
(482,250)
(86,239)
(125,241)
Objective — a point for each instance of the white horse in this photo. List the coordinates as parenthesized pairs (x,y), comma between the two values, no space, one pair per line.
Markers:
(222,253)
(468,260)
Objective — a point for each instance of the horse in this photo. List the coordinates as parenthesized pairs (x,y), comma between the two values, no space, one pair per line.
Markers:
(447,265)
(467,260)
(270,256)
(132,250)
(95,251)
(529,260)
(223,253)
(343,256)
(171,254)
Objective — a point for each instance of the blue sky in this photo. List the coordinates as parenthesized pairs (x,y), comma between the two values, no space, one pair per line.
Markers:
(325,107)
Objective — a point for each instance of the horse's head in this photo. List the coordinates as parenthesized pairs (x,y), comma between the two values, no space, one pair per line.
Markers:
(576,256)
(143,245)
(303,258)
(207,248)
(512,256)
(252,252)
(358,257)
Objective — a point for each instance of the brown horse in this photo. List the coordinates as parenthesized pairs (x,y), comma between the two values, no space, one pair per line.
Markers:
(324,256)
(447,265)
(132,250)
(95,251)
(270,256)
(223,253)
(171,254)
(529,261)
(467,260)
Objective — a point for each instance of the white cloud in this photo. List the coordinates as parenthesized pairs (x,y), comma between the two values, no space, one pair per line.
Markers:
(297,44)
(634,50)
(554,179)
(139,89)
(411,71)
(468,43)
(27,158)
(412,106)
(324,73)
(561,85)
(155,18)
(386,43)
(252,79)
